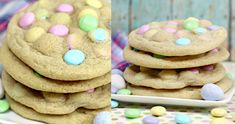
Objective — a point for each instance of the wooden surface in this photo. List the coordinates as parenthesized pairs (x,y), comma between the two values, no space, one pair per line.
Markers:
(130,14)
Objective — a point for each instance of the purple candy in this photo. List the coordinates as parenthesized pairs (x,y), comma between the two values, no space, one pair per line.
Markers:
(213,27)
(151,120)
(114,90)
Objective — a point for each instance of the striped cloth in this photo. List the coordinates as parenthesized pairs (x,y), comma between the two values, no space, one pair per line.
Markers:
(9,7)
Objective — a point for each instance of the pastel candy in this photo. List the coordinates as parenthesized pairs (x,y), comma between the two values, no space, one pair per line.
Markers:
(183,41)
(98,35)
(34,33)
(88,11)
(60,18)
(143,29)
(190,24)
(171,30)
(74,57)
(1,89)
(219,121)
(27,20)
(218,112)
(103,118)
(132,113)
(113,90)
(233,117)
(41,14)
(59,30)
(88,23)
(124,92)
(118,81)
(172,22)
(212,92)
(66,8)
(200,30)
(94,3)
(114,104)
(151,120)
(158,111)
(91,90)
(208,67)
(214,50)
(182,119)
(117,71)
(4,106)
(194,70)
(213,27)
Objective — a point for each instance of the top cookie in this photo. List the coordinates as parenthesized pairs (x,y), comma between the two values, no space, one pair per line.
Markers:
(178,37)
(63,39)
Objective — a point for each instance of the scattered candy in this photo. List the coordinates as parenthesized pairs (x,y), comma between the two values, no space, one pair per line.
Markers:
(191,24)
(27,20)
(91,90)
(151,120)
(183,41)
(192,18)
(34,33)
(113,90)
(182,119)
(88,23)
(218,112)
(74,57)
(194,70)
(132,113)
(143,29)
(1,89)
(208,67)
(172,22)
(219,121)
(87,11)
(41,14)
(117,71)
(59,30)
(158,56)
(103,118)
(124,92)
(98,35)
(200,30)
(4,106)
(94,3)
(214,50)
(158,111)
(114,104)
(66,8)
(60,18)
(212,92)
(171,30)
(213,27)
(118,81)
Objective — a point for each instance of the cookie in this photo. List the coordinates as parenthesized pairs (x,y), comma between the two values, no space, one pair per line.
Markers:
(80,116)
(148,60)
(55,103)
(178,37)
(27,76)
(184,93)
(63,44)
(173,79)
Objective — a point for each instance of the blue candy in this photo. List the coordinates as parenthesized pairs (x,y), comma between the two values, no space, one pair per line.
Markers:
(114,104)
(117,71)
(99,34)
(183,41)
(200,30)
(212,92)
(74,57)
(103,118)
(182,119)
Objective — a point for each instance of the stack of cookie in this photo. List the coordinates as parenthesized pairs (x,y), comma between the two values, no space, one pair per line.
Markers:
(179,59)
(56,58)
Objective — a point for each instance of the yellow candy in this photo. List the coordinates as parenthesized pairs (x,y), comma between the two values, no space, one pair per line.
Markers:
(60,18)
(218,112)
(94,3)
(233,117)
(88,11)
(158,111)
(192,18)
(34,33)
(219,121)
(41,14)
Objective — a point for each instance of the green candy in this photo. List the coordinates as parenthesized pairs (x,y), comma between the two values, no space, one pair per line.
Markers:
(4,106)
(124,92)
(190,24)
(132,113)
(158,56)
(88,23)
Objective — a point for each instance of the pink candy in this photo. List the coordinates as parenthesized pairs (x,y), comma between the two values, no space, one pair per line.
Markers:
(172,23)
(67,8)
(27,20)
(171,30)
(90,91)
(59,30)
(208,67)
(214,50)
(194,70)
(143,29)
